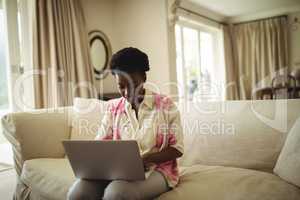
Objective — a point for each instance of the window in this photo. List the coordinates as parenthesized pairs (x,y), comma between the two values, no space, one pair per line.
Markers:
(200,72)
(5,150)
(7,34)
(4,105)
(10,63)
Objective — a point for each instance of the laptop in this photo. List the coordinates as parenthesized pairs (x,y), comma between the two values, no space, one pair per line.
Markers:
(105,160)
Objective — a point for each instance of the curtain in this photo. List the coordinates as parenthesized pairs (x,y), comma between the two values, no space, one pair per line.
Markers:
(254,53)
(231,71)
(61,61)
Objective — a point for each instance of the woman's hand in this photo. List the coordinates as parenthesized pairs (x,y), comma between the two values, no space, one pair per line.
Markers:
(146,162)
(165,155)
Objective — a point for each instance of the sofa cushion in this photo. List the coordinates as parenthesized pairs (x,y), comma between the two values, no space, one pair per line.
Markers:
(243,134)
(225,183)
(50,178)
(288,164)
(87,117)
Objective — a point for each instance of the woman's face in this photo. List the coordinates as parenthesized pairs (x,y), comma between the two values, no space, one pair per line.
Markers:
(130,85)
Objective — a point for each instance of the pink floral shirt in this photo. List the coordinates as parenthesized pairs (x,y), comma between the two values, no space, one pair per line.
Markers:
(158,126)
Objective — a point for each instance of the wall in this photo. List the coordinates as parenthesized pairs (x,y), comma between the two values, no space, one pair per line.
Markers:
(137,23)
(143,24)
(295,42)
(201,10)
(99,16)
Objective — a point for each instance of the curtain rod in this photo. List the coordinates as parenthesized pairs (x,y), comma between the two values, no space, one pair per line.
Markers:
(195,13)
(256,20)
(223,23)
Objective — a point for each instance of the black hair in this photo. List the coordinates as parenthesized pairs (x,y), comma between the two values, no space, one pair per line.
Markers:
(129,60)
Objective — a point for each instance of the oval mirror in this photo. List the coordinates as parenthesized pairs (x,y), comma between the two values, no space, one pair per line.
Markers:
(100,53)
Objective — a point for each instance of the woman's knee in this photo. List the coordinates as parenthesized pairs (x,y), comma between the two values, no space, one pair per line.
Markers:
(121,190)
(75,192)
(83,189)
(76,195)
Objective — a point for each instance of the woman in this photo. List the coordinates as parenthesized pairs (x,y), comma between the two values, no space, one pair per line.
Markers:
(149,118)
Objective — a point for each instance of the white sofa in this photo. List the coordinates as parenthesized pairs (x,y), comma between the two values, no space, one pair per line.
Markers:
(231,149)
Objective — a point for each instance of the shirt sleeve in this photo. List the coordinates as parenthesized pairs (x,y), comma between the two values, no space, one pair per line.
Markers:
(175,138)
(105,132)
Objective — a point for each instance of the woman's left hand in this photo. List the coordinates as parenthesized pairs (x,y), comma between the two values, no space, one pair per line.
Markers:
(150,159)
(146,163)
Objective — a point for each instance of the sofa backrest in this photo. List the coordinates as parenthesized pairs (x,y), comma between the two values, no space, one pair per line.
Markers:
(246,134)
(37,134)
(87,117)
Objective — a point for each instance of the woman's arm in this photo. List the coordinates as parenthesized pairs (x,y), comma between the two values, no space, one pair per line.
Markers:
(174,139)
(165,155)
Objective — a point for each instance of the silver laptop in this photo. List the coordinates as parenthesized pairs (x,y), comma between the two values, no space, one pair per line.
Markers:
(105,160)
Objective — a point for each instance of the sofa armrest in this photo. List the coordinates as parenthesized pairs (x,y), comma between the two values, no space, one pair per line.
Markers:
(37,134)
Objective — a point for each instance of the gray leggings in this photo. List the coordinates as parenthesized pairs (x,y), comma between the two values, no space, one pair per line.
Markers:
(150,188)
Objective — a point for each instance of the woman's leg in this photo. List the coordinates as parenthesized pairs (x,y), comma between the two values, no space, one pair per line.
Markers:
(150,188)
(87,190)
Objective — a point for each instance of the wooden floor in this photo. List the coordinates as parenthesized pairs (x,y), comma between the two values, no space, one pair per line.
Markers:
(8,182)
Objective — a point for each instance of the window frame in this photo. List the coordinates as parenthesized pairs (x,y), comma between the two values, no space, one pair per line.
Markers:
(217,49)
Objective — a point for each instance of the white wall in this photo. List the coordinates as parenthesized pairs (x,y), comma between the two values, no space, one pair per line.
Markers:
(295,42)
(143,24)
(99,16)
(137,23)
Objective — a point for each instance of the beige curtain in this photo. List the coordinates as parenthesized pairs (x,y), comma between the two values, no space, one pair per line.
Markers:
(231,71)
(60,53)
(254,53)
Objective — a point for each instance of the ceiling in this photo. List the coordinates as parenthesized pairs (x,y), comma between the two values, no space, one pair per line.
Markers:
(236,8)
